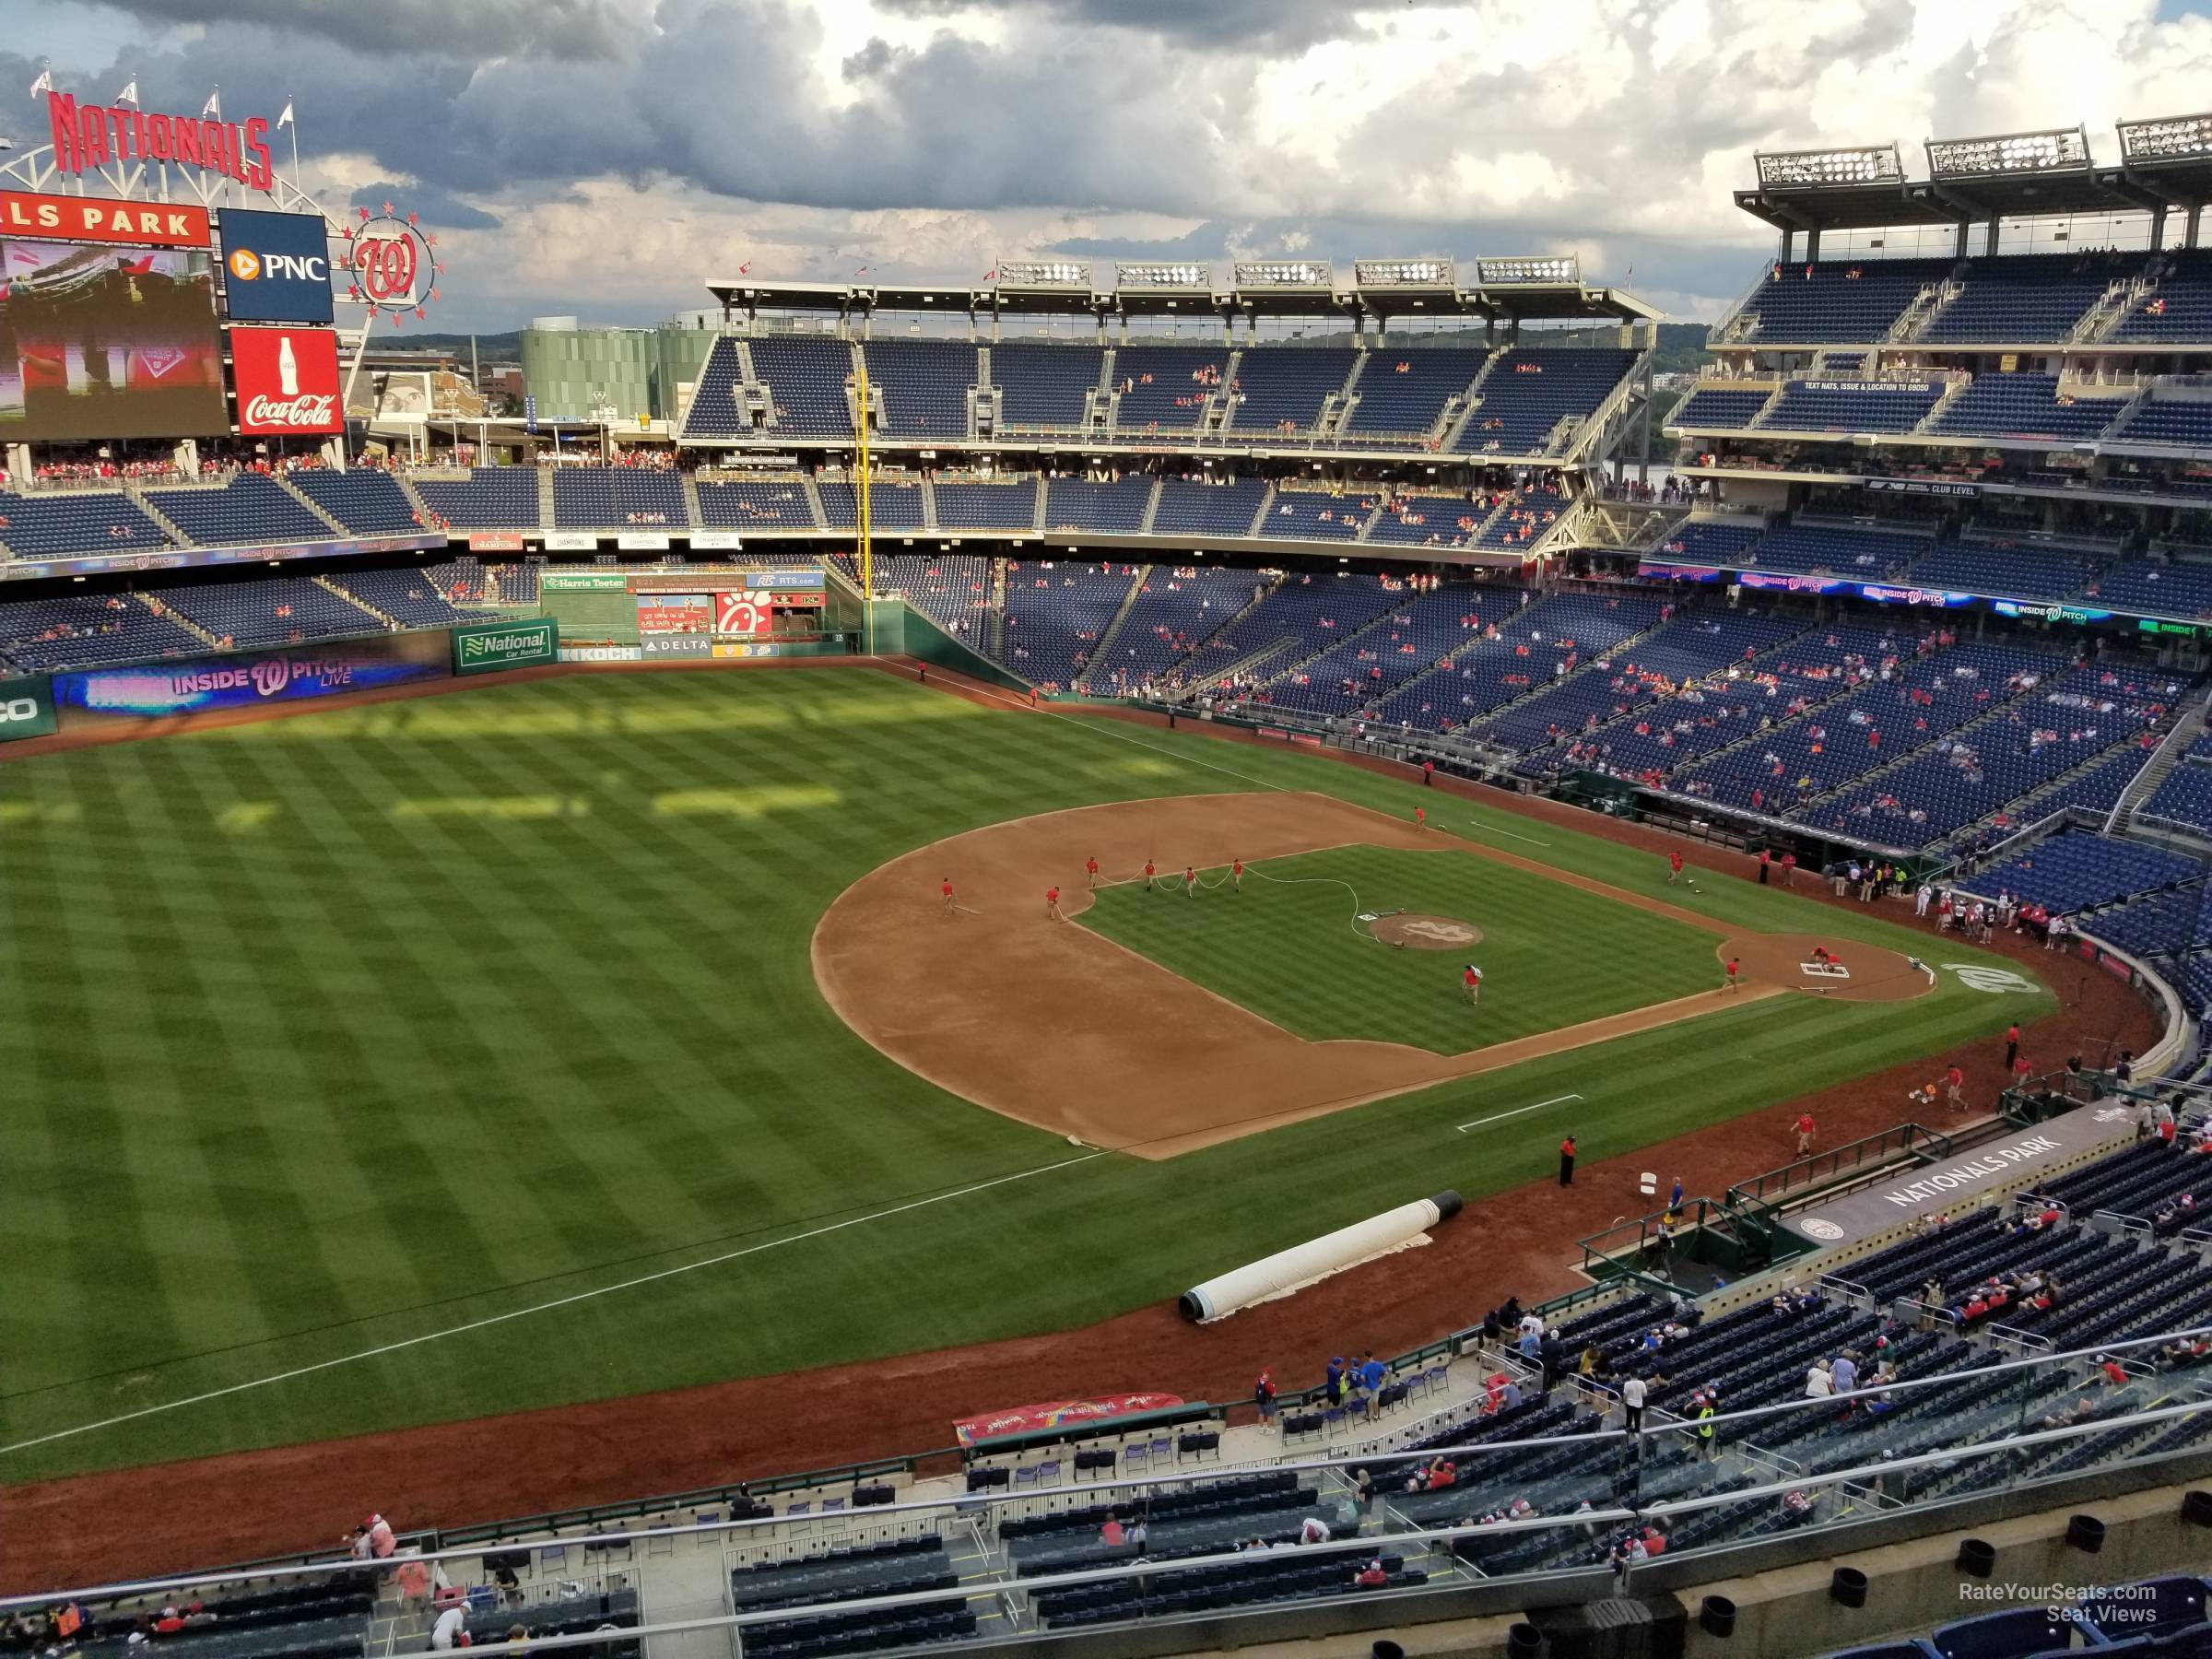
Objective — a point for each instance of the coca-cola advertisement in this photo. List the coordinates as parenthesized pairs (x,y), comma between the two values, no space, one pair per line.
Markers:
(287,379)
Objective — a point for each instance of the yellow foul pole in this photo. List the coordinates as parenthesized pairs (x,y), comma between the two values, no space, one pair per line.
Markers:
(865,550)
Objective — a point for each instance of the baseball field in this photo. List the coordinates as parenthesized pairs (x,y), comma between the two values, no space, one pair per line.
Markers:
(567,1040)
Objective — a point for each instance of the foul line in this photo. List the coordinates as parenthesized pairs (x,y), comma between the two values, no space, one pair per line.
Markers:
(581,1296)
(1478,1122)
(1487,829)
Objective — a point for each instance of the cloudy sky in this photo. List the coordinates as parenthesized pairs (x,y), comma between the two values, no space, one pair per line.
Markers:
(604,157)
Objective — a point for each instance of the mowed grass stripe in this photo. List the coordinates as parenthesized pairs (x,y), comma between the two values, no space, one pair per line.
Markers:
(905,767)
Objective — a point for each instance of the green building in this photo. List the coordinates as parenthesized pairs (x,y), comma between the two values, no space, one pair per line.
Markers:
(610,373)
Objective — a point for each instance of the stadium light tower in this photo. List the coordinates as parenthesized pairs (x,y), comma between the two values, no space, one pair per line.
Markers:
(1404,274)
(1300,274)
(2057,149)
(1554,269)
(2166,138)
(1065,275)
(1856,165)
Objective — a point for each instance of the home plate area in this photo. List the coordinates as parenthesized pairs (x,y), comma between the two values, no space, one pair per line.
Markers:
(1828,967)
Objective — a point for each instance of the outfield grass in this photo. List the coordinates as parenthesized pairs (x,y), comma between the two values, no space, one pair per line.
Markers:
(1288,947)
(339,1031)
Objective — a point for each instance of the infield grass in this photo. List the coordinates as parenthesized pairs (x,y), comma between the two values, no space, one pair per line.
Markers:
(1291,947)
(379,1026)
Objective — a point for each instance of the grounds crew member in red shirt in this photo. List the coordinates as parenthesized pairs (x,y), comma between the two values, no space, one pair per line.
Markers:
(1149,873)
(1567,1161)
(1190,882)
(1955,1085)
(1736,966)
(1470,984)
(1090,872)
(946,890)
(2012,1045)
(1052,904)
(1429,774)
(1420,817)
(1236,875)
(1674,866)
(1804,1134)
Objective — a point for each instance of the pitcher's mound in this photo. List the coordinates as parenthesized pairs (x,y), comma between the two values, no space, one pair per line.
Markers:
(1843,969)
(1412,932)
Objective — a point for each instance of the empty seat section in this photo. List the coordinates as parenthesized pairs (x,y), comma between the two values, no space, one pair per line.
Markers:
(986,506)
(1414,634)
(86,631)
(807,378)
(2076,869)
(1707,544)
(52,527)
(2177,307)
(922,385)
(1523,644)
(364,499)
(2004,572)
(1834,302)
(769,504)
(1187,507)
(1836,550)
(1076,504)
(1303,615)
(618,498)
(1176,610)
(1056,614)
(490,497)
(890,506)
(247,510)
(2025,405)
(718,399)
(269,610)
(1317,516)
(1046,388)
(1850,407)
(2180,423)
(1708,409)
(408,596)
(1165,388)
(2026,298)
(1530,391)
(2179,588)
(1280,390)
(952,589)
(1402,391)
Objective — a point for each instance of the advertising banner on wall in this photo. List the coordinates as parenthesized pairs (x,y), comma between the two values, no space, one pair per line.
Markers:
(572,541)
(488,647)
(582,582)
(718,541)
(674,613)
(600,653)
(276,266)
(737,647)
(287,380)
(742,614)
(249,679)
(676,646)
(637,541)
(494,541)
(26,708)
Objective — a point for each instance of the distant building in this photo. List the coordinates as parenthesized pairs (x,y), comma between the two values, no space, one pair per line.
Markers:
(609,373)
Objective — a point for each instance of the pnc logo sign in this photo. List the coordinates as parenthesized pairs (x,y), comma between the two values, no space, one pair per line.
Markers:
(249,267)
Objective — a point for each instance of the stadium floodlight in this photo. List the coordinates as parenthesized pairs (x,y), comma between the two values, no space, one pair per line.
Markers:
(1285,274)
(1818,169)
(1073,274)
(2061,149)
(2166,138)
(1186,275)
(1405,272)
(1554,268)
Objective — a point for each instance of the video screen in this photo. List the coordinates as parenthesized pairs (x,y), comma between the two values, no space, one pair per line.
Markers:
(106,342)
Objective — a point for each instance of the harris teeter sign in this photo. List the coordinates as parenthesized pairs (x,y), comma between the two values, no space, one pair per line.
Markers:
(488,647)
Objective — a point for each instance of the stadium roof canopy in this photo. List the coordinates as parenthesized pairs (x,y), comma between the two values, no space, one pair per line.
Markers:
(1503,290)
(2166,165)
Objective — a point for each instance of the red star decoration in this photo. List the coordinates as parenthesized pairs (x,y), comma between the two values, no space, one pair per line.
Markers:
(353,290)
(430,238)
(364,212)
(397,318)
(387,210)
(439,268)
(433,295)
(411,219)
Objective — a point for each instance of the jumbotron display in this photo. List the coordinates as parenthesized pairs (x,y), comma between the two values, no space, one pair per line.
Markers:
(103,342)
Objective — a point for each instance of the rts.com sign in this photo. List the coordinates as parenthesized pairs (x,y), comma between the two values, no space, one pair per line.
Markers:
(276,266)
(487,647)
(26,708)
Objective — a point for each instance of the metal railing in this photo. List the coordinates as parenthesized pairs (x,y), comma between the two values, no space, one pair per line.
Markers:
(1912,1141)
